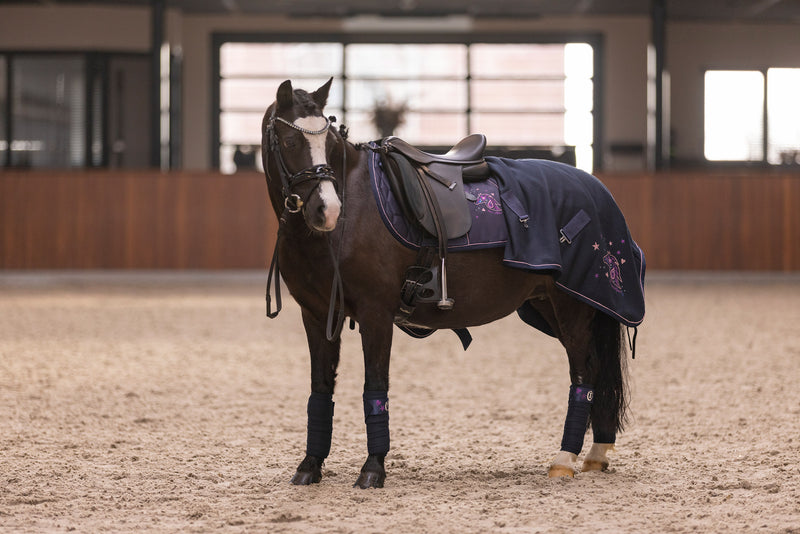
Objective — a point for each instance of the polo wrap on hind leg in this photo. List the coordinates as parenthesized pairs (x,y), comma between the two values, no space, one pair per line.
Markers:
(576,423)
(376,416)
(603,436)
(320,424)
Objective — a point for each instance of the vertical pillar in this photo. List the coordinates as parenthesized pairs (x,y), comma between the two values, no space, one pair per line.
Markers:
(658,37)
(157,39)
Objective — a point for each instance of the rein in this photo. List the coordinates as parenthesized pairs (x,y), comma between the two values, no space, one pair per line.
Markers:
(293,203)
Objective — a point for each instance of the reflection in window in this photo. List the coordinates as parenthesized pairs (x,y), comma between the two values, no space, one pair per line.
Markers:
(48,112)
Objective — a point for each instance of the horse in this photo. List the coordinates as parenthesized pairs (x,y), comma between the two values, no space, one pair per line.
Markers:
(336,256)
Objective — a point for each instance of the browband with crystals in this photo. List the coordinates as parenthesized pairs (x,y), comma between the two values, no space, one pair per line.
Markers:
(306,130)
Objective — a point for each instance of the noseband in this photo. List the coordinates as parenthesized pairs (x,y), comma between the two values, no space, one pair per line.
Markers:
(291,200)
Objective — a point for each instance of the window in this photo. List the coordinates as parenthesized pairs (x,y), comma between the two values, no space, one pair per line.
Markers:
(48,112)
(783,116)
(520,95)
(752,116)
(70,110)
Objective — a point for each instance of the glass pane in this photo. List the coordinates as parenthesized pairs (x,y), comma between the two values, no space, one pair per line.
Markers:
(578,60)
(425,129)
(239,158)
(3,122)
(511,95)
(734,115)
(258,94)
(520,129)
(517,60)
(49,112)
(406,61)
(783,112)
(287,60)
(414,94)
(240,127)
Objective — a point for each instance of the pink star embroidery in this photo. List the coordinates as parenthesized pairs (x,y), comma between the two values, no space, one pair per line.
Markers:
(596,246)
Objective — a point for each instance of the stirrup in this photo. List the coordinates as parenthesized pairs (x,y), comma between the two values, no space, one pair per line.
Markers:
(445,303)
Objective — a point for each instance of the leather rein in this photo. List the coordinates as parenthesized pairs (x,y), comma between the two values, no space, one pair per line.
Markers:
(293,203)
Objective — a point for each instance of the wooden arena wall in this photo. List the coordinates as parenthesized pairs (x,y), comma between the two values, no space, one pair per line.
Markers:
(731,220)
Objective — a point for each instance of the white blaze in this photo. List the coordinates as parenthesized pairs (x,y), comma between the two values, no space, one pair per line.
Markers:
(316,144)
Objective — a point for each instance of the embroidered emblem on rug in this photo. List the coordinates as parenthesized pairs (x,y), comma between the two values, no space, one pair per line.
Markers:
(488,203)
(613,271)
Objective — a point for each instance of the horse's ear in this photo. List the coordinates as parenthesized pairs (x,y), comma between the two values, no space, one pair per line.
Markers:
(285,95)
(320,96)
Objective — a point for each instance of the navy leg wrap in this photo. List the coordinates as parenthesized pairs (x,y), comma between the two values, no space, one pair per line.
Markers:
(376,416)
(320,424)
(603,437)
(580,404)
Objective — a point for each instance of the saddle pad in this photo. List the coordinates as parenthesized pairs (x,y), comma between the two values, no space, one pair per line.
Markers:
(488,224)
(575,232)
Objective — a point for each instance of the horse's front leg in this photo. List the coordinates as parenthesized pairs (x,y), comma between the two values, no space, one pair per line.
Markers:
(376,340)
(324,361)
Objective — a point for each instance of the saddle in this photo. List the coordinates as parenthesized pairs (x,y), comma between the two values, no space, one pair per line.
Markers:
(430,191)
(430,187)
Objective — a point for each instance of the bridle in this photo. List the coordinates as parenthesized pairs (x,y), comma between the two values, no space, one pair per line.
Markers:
(292,201)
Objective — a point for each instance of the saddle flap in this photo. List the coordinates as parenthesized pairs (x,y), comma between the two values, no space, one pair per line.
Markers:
(443,180)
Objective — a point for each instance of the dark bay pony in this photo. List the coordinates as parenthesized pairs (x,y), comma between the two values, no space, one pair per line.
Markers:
(331,236)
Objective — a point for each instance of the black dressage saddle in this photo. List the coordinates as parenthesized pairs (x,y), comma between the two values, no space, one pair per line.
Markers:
(430,187)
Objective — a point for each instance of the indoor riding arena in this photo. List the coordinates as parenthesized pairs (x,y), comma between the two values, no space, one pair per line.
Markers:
(144,389)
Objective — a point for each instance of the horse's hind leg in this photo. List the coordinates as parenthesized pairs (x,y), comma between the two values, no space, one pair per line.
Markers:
(324,361)
(608,408)
(576,326)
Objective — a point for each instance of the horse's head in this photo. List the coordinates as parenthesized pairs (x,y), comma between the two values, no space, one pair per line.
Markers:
(297,144)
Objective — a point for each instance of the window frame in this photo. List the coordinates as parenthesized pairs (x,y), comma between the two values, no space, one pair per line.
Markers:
(595,40)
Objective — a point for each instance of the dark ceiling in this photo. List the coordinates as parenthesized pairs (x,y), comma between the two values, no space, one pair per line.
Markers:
(707,10)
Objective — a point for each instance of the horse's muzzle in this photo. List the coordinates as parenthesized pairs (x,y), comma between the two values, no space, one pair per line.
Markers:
(323,208)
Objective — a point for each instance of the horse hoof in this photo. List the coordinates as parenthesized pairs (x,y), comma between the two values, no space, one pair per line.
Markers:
(594,465)
(370,479)
(560,471)
(305,478)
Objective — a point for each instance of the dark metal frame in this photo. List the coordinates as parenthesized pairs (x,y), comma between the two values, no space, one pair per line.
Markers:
(596,40)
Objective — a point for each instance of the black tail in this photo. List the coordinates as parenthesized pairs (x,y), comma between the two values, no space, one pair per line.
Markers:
(610,388)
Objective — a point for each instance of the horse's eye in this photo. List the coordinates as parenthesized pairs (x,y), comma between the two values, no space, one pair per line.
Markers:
(290,142)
